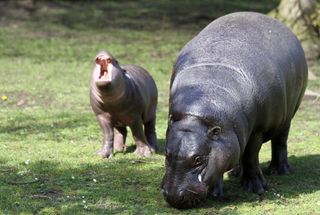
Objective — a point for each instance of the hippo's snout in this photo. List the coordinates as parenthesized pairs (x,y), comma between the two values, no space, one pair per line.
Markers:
(185,198)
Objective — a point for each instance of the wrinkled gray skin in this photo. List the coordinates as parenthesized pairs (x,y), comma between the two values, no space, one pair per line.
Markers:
(120,97)
(234,86)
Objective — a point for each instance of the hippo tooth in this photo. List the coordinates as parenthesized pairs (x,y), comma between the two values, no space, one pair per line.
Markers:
(200,177)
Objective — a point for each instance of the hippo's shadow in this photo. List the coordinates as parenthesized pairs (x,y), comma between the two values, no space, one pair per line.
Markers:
(302,179)
(127,184)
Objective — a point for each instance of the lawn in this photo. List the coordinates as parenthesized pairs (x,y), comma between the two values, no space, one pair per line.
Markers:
(49,135)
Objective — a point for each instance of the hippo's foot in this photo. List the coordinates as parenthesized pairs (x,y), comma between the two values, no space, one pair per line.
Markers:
(254,181)
(278,169)
(144,151)
(103,153)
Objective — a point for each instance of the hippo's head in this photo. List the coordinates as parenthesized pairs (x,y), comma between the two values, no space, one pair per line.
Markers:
(197,155)
(107,72)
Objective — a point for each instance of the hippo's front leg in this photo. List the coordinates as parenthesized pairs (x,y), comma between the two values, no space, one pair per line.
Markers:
(107,142)
(217,191)
(252,178)
(142,146)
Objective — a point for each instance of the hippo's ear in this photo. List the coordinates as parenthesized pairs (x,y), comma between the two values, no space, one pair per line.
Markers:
(214,132)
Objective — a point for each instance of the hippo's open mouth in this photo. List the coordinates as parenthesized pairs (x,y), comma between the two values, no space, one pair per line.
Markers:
(104,79)
(104,62)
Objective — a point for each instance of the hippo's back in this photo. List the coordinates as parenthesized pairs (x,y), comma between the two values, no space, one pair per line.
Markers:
(145,89)
(242,61)
(240,39)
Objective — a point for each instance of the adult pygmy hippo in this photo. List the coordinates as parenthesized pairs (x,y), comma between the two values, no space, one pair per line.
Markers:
(234,86)
(120,97)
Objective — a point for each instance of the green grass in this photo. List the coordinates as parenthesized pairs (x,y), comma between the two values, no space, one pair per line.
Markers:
(49,135)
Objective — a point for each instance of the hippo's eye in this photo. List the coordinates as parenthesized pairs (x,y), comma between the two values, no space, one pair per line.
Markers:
(198,161)
(174,117)
(214,132)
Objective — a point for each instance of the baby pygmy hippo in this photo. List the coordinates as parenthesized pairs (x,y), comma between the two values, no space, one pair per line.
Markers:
(123,96)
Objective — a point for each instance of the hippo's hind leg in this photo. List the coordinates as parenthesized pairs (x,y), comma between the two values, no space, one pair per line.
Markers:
(107,142)
(120,135)
(150,133)
(252,178)
(279,160)
(142,146)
